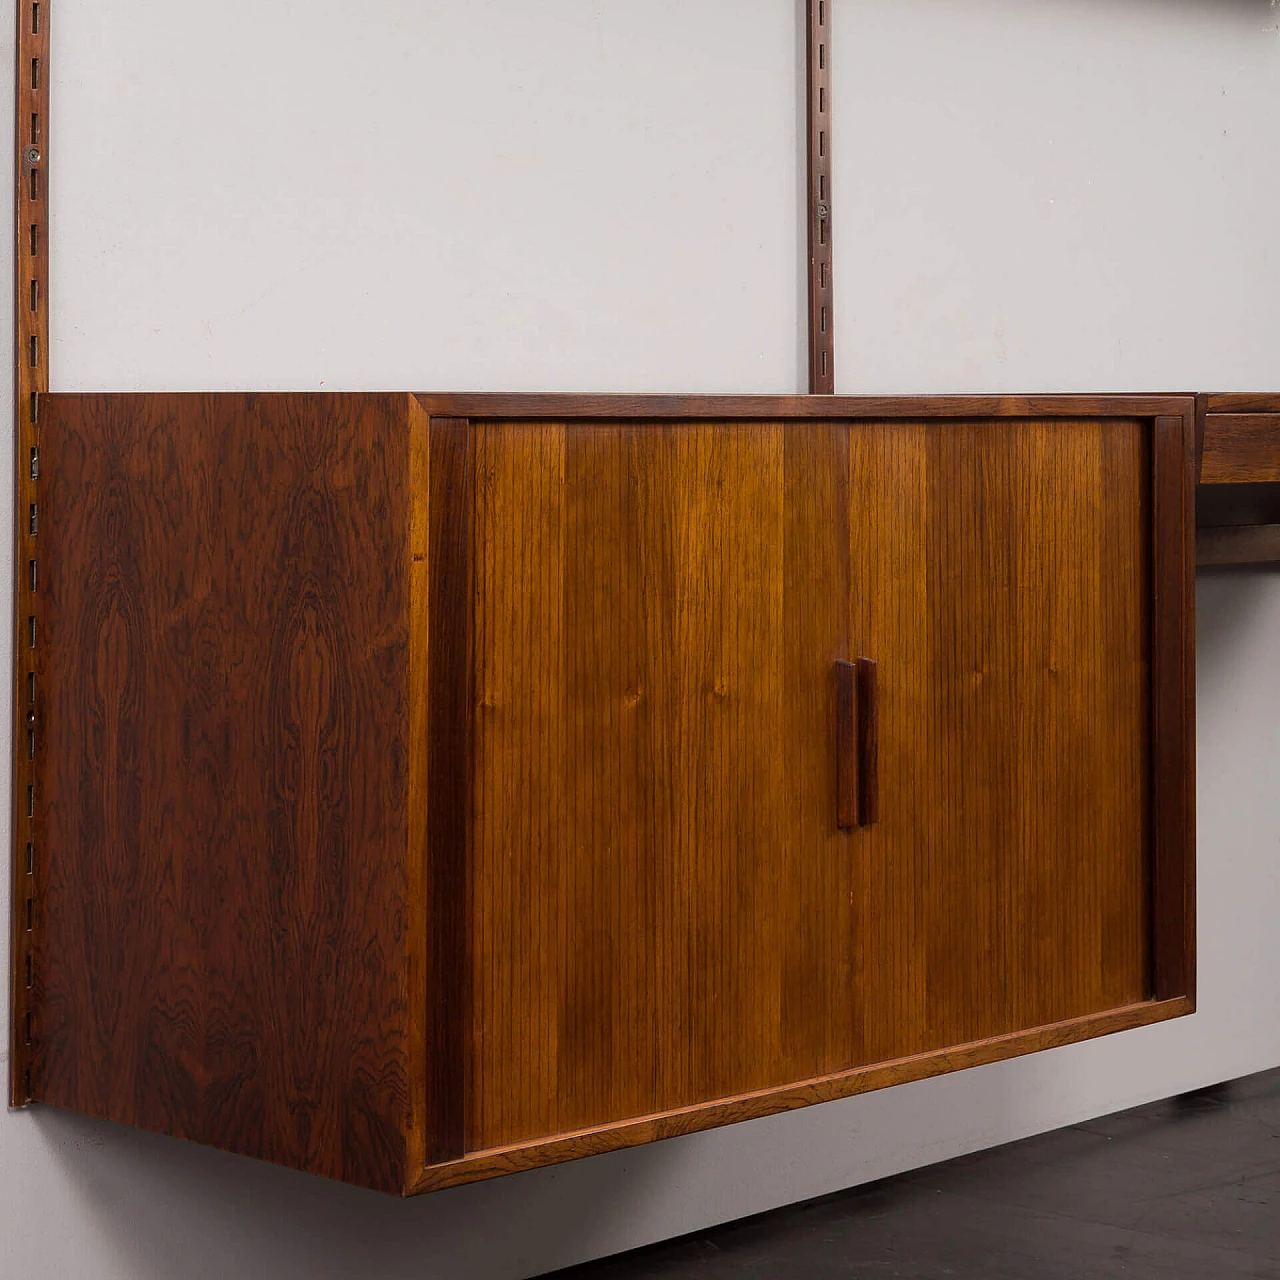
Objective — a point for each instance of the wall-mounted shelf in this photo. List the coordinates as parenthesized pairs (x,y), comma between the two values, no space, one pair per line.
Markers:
(1238,544)
(1238,503)
(432,787)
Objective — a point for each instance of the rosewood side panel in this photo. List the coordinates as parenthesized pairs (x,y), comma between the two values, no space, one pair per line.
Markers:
(220,917)
(439,786)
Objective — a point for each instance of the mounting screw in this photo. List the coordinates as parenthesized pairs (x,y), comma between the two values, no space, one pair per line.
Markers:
(823,210)
(32,157)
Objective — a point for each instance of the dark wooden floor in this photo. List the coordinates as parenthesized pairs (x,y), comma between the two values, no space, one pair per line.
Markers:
(1187,1189)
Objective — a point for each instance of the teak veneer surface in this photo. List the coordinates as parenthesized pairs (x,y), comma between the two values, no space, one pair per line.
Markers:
(1007,882)
(442,786)
(662,901)
(665,911)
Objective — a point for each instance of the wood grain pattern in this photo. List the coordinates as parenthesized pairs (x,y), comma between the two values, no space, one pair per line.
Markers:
(573,1146)
(661,905)
(1006,884)
(642,574)
(426,1114)
(1241,448)
(224,787)
(505,406)
(1246,402)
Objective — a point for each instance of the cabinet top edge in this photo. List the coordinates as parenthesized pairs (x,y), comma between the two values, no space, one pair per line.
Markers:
(571,405)
(499,405)
(1243,403)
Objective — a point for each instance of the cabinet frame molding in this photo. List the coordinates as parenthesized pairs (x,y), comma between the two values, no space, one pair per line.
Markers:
(1171,421)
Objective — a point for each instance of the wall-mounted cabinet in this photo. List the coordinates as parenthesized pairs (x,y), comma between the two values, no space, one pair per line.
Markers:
(434,787)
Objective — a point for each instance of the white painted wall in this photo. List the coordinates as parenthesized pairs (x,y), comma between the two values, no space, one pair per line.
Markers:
(1070,195)
(491,195)
(1116,157)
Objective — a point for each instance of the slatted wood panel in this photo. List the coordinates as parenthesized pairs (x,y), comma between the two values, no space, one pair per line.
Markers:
(1007,882)
(667,594)
(664,909)
(661,900)
(223,951)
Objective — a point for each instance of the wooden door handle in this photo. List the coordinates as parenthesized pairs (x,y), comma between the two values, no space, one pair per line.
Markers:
(857,744)
(868,742)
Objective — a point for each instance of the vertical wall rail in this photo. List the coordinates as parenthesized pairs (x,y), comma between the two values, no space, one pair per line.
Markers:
(822,379)
(31,381)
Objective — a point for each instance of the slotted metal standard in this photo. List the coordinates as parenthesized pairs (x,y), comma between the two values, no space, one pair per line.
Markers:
(31,329)
(822,379)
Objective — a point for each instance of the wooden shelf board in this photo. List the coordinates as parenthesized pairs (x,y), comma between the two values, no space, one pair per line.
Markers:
(1238,545)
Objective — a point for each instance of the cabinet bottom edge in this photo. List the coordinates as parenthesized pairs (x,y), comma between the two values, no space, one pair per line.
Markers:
(640,1130)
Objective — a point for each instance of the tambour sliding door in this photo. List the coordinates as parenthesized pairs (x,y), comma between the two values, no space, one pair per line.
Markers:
(661,901)
(1002,581)
(665,910)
